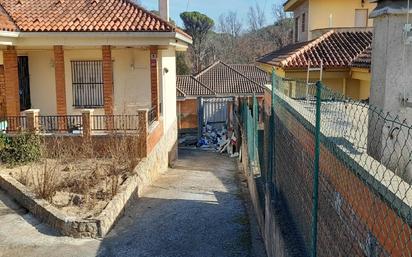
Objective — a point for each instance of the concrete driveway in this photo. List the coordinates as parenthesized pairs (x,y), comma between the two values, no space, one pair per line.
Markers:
(195,209)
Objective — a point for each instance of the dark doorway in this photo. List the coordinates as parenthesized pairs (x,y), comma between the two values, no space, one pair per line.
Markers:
(24,83)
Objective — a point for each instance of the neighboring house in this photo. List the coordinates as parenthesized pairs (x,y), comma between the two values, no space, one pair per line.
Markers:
(333,34)
(345,57)
(112,56)
(315,17)
(208,96)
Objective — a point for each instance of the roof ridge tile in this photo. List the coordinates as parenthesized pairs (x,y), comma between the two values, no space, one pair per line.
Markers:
(59,16)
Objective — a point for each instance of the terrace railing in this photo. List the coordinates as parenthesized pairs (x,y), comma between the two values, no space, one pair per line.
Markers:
(13,123)
(152,115)
(74,124)
(114,122)
(67,123)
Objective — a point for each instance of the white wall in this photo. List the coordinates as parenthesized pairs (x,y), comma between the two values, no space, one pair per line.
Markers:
(42,81)
(131,76)
(168,87)
(132,85)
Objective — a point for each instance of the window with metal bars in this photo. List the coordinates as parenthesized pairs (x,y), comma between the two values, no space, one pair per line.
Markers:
(87,82)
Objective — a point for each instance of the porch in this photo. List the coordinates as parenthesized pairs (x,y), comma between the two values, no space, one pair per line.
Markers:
(63,81)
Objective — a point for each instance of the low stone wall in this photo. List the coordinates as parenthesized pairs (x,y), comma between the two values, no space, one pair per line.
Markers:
(146,172)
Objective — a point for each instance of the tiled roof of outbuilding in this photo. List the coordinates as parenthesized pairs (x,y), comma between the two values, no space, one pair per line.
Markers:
(189,86)
(253,72)
(79,16)
(224,80)
(334,49)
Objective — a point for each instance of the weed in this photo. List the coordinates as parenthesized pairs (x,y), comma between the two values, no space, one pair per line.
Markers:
(46,181)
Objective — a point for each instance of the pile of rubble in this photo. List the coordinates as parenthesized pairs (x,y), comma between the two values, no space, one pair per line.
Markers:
(221,141)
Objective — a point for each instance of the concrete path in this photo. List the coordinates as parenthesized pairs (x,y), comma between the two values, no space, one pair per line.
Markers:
(23,235)
(195,209)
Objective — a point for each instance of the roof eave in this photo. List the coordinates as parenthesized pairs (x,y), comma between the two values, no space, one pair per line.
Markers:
(173,38)
(290,5)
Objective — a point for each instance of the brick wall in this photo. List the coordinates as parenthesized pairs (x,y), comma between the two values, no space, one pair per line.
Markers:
(154,136)
(356,217)
(107,80)
(11,79)
(2,92)
(351,212)
(60,80)
(154,79)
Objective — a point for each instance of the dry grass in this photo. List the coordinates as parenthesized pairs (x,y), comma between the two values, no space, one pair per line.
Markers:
(75,178)
(45,181)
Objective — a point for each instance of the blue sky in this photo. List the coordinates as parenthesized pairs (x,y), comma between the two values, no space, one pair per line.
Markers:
(213,8)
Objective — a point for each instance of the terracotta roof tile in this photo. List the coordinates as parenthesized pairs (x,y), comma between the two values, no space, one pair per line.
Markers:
(189,86)
(364,60)
(253,72)
(224,80)
(334,49)
(79,16)
(6,23)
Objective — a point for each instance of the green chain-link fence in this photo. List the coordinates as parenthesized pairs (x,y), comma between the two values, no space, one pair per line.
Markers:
(357,156)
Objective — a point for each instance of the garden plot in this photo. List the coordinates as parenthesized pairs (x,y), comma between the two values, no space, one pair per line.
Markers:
(69,177)
(80,188)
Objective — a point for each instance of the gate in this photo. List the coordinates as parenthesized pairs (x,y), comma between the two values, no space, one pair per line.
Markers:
(215,111)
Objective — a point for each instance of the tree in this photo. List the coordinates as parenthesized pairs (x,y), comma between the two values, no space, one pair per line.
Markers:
(181,64)
(256,18)
(230,24)
(283,26)
(198,26)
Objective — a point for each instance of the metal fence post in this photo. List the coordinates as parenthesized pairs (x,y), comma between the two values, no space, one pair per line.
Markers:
(272,152)
(315,198)
(255,127)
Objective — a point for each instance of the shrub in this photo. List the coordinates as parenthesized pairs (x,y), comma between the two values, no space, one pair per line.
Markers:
(20,149)
(3,142)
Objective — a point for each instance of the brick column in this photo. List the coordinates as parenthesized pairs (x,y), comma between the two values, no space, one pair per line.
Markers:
(107,79)
(143,127)
(11,79)
(32,120)
(60,80)
(2,92)
(154,80)
(87,122)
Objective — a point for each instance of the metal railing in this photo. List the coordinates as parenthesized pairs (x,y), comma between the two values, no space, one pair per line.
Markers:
(114,122)
(13,123)
(72,124)
(152,115)
(60,123)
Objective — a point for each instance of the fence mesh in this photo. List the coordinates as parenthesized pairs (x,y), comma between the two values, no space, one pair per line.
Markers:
(365,170)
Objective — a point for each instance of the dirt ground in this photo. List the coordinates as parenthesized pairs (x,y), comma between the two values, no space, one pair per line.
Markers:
(80,188)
